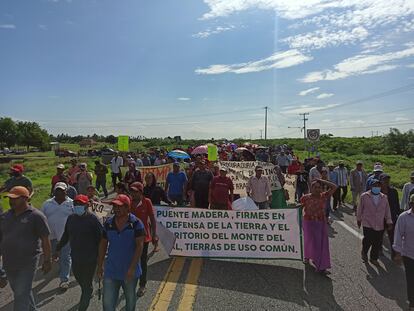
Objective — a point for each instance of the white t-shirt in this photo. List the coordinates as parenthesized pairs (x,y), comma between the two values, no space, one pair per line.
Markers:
(116,163)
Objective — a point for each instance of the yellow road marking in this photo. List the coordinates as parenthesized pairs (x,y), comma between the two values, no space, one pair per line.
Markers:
(190,288)
(166,290)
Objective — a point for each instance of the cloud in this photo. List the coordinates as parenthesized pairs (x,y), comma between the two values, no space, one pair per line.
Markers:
(276,61)
(410,66)
(324,95)
(306,108)
(308,91)
(7,26)
(359,65)
(183,98)
(401,119)
(43,27)
(325,38)
(214,31)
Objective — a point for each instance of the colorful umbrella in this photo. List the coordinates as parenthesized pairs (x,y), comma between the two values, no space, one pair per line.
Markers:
(241,149)
(203,149)
(178,154)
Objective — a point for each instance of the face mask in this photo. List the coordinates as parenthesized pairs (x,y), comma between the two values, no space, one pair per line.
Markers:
(376,190)
(79,210)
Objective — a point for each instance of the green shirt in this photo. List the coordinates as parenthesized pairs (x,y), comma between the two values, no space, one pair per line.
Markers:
(18,181)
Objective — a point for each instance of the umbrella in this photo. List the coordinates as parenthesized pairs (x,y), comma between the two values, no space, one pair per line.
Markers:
(261,147)
(241,149)
(248,156)
(200,150)
(178,154)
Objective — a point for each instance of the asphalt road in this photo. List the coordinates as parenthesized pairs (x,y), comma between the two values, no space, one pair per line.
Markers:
(210,284)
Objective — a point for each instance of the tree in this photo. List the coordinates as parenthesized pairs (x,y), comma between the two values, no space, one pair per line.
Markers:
(31,134)
(8,132)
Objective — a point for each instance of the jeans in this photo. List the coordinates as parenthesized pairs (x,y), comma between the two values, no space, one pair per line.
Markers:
(201,199)
(336,198)
(144,265)
(344,190)
(101,183)
(328,208)
(21,283)
(409,275)
(84,273)
(114,177)
(372,239)
(111,294)
(64,261)
(262,205)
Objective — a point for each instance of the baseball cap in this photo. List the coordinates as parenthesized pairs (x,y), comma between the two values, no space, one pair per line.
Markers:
(331,164)
(83,165)
(341,162)
(258,168)
(60,166)
(224,169)
(137,186)
(61,185)
(359,162)
(81,198)
(18,191)
(122,199)
(17,168)
(411,198)
(378,168)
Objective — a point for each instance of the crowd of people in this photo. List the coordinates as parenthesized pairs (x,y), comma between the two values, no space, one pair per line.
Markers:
(65,230)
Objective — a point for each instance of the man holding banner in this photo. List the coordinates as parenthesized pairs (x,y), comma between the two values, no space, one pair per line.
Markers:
(258,188)
(221,191)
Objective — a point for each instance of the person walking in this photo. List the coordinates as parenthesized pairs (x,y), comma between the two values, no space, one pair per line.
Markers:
(17,179)
(372,212)
(57,210)
(394,203)
(120,251)
(315,227)
(200,184)
(142,208)
(221,191)
(132,175)
(176,184)
(154,192)
(357,179)
(333,178)
(316,171)
(283,161)
(258,188)
(73,170)
(408,187)
(101,171)
(59,177)
(116,163)
(404,247)
(343,181)
(83,232)
(24,235)
(83,179)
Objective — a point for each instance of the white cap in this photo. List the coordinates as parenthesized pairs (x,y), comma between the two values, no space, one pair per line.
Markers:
(61,185)
(378,168)
(60,166)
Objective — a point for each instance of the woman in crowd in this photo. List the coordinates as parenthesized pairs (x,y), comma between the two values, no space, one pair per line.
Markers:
(132,175)
(154,192)
(315,228)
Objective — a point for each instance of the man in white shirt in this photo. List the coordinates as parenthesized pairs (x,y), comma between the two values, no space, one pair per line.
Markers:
(57,210)
(407,189)
(316,171)
(116,163)
(258,188)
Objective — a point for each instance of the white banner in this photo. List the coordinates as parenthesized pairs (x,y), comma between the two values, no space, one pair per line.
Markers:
(240,172)
(264,234)
(102,210)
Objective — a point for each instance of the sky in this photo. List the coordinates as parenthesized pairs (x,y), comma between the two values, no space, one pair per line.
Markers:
(207,68)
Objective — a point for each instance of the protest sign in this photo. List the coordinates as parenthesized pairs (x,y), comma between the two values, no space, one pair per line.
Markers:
(160,172)
(212,152)
(123,143)
(102,210)
(263,234)
(240,172)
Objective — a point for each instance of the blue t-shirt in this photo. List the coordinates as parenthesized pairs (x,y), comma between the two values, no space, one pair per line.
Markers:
(121,247)
(176,183)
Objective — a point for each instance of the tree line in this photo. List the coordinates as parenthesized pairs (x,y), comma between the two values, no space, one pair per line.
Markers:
(30,134)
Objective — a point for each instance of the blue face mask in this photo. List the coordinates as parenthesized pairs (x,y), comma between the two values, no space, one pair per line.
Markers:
(375,190)
(79,209)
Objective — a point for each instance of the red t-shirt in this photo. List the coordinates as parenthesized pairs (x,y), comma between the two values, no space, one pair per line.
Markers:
(144,211)
(220,187)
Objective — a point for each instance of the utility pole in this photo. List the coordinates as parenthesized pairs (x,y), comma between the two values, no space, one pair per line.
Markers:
(304,126)
(265,129)
(261,134)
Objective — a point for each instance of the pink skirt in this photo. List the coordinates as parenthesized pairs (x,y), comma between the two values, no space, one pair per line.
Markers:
(316,243)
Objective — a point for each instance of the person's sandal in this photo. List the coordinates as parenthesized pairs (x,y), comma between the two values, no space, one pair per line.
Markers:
(141,291)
